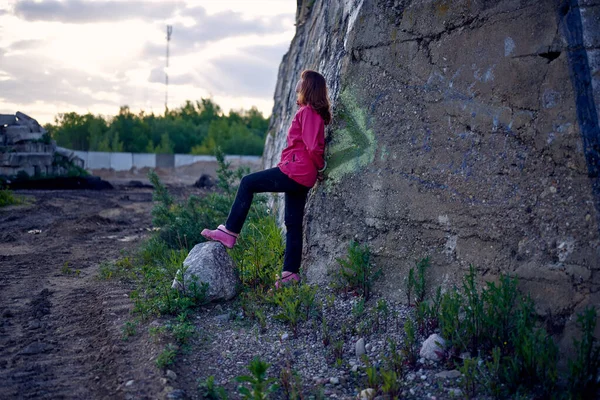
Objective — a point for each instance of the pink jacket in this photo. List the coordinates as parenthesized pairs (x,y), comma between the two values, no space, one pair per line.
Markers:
(303,155)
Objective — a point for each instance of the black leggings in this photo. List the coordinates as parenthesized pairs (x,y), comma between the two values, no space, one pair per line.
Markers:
(273,180)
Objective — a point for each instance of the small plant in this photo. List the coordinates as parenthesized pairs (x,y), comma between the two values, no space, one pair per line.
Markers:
(290,383)
(291,308)
(383,310)
(358,309)
(182,331)
(330,300)
(390,385)
(338,349)
(262,320)
(297,304)
(167,357)
(128,330)
(410,348)
(326,334)
(157,332)
(259,385)
(584,369)
(357,270)
(210,391)
(373,379)
(394,360)
(469,378)
(417,281)
(66,270)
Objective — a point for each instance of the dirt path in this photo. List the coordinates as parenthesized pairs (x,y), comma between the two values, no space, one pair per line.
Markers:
(61,327)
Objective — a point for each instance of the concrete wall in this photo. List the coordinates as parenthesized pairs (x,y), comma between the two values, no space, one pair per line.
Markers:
(463,131)
(126,161)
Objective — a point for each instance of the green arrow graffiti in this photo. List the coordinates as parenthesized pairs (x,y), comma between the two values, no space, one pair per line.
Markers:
(352,145)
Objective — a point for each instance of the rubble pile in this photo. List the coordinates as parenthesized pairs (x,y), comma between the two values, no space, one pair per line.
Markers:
(26,147)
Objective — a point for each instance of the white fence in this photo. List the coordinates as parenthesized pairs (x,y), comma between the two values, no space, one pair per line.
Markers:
(126,161)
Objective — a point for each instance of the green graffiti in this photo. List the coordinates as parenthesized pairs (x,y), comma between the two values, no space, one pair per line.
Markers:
(353,145)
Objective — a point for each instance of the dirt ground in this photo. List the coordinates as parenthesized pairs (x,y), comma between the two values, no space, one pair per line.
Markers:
(60,326)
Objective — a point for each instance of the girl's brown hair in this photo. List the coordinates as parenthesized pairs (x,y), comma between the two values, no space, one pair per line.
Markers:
(313,92)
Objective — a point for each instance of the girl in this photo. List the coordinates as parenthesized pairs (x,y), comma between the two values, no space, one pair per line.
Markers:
(302,163)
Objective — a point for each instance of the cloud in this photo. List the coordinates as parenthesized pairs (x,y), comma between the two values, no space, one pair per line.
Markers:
(226,24)
(80,11)
(26,44)
(157,75)
(29,83)
(243,75)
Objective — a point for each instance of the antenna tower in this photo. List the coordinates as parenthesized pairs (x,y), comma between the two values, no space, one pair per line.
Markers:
(169,32)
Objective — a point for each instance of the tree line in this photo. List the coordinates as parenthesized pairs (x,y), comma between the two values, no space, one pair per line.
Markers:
(194,128)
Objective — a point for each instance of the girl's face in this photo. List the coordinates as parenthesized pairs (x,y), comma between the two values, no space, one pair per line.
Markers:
(298,85)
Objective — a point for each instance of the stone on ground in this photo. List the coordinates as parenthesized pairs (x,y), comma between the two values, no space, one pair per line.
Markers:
(360,348)
(453,374)
(433,348)
(209,263)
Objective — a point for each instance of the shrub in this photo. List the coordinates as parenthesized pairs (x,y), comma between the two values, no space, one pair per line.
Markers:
(7,198)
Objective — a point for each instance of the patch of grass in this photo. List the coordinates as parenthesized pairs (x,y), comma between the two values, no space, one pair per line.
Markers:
(357,271)
(67,270)
(583,380)
(296,303)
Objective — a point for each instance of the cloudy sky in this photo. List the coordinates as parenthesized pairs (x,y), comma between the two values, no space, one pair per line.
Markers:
(96,55)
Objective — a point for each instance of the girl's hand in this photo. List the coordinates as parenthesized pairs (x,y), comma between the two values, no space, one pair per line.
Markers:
(320,177)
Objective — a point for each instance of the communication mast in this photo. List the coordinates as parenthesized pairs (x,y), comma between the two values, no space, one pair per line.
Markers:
(169,32)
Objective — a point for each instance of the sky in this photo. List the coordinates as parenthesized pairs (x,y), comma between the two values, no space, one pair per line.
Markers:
(94,56)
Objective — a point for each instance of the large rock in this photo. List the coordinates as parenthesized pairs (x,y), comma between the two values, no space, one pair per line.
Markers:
(465,131)
(209,263)
(433,348)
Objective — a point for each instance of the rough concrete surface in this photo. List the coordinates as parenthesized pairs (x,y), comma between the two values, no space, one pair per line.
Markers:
(466,131)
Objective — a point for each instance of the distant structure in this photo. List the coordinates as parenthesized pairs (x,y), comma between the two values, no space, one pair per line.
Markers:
(169,32)
(26,147)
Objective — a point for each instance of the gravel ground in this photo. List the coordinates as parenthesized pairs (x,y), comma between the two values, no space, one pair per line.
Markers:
(226,342)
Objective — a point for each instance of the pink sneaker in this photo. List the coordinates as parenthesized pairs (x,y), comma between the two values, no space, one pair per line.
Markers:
(287,278)
(222,235)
